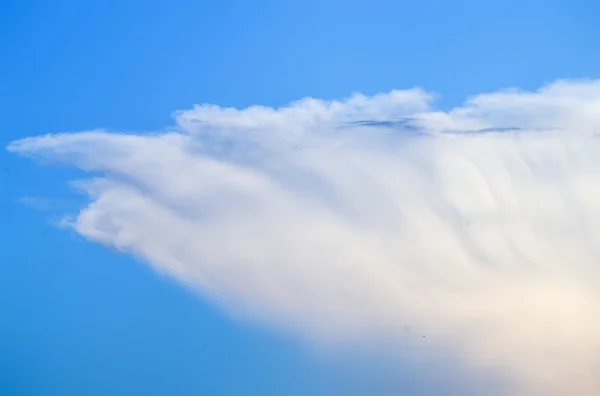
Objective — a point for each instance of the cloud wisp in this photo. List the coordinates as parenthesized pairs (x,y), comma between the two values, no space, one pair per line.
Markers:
(349,220)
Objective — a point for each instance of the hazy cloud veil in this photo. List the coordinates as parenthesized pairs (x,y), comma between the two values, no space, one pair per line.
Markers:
(350,219)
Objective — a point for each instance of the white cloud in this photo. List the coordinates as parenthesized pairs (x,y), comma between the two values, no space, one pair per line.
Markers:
(312,220)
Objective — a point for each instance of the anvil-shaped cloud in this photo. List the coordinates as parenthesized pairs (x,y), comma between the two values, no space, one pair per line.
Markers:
(349,220)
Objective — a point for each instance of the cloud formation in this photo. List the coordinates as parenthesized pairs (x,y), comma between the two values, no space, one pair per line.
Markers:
(349,220)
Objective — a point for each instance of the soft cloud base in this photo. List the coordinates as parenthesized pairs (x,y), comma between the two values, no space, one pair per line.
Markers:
(341,221)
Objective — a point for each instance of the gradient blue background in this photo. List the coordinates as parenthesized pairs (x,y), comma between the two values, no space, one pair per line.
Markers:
(76,319)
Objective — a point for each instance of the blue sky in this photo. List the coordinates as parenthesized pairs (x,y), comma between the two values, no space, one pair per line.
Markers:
(79,319)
